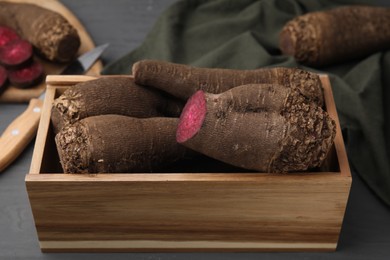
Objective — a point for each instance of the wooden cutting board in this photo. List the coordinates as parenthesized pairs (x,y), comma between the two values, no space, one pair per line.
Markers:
(12,94)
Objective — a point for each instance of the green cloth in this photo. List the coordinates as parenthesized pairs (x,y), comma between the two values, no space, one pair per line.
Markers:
(244,35)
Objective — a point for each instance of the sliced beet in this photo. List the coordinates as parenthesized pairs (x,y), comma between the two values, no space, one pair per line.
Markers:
(192,117)
(16,53)
(26,76)
(7,35)
(3,78)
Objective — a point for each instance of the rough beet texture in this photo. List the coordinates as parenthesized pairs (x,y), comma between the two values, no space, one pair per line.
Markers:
(313,39)
(111,95)
(267,128)
(115,143)
(183,81)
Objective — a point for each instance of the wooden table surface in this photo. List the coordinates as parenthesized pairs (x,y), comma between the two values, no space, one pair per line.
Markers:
(124,23)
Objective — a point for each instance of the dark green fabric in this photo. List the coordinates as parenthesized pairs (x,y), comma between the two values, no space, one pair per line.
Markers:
(244,35)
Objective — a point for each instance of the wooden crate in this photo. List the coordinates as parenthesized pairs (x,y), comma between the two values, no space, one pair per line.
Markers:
(185,211)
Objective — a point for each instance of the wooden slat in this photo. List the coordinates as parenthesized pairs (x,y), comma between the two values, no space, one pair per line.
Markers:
(67,80)
(47,179)
(339,142)
(42,133)
(182,246)
(70,80)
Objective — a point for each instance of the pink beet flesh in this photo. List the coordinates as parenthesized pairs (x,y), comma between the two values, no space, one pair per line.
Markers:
(15,52)
(7,35)
(192,117)
(26,76)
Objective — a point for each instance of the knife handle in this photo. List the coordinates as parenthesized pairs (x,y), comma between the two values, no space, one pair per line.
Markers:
(19,133)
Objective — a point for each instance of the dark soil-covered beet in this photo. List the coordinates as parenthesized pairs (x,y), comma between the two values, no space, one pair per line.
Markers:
(26,76)
(7,35)
(3,78)
(16,53)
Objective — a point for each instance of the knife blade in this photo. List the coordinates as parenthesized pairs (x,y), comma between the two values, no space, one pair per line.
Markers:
(22,130)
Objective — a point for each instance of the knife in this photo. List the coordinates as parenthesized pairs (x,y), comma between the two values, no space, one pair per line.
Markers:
(23,129)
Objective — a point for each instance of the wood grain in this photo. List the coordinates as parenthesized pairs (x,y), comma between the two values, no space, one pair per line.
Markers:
(13,94)
(339,142)
(42,133)
(179,246)
(19,133)
(232,208)
(184,211)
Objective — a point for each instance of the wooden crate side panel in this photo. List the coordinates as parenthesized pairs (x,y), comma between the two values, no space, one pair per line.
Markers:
(338,141)
(277,210)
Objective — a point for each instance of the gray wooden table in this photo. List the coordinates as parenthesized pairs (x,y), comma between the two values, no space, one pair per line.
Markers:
(123,23)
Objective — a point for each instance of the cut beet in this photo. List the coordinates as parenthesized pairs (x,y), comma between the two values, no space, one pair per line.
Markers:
(3,78)
(7,35)
(16,53)
(26,76)
(192,117)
